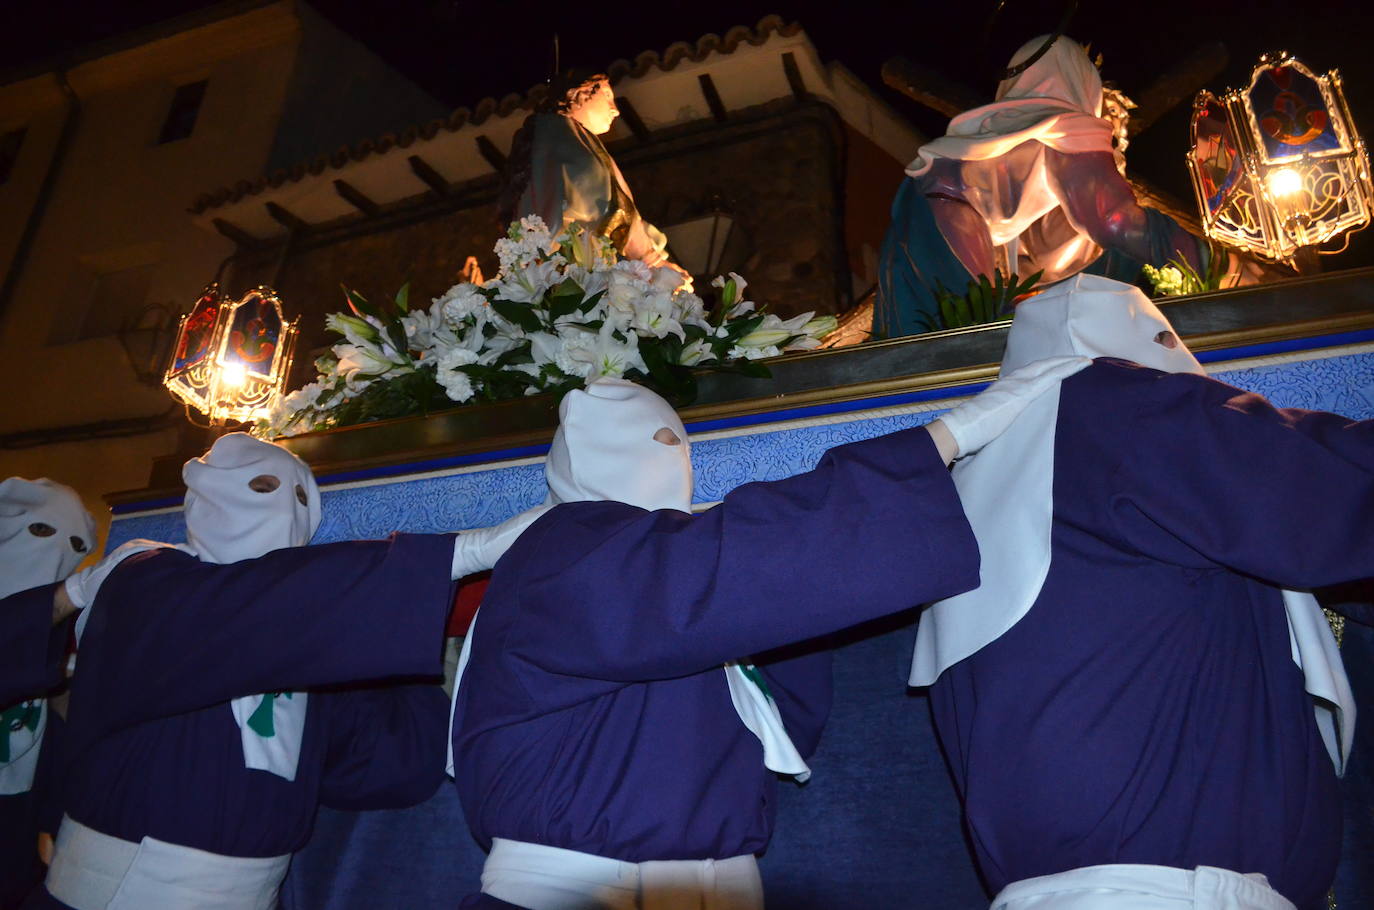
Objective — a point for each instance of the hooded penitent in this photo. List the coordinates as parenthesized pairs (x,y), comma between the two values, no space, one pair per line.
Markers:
(244,499)
(619,442)
(1007,492)
(45,532)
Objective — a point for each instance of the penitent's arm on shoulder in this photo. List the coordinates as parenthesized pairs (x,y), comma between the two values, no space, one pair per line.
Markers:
(1282,494)
(611,592)
(169,633)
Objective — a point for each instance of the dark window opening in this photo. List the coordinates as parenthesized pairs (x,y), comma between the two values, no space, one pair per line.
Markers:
(9,152)
(181,116)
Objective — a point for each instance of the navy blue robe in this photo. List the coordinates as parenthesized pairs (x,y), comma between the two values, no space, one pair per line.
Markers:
(152,748)
(32,652)
(31,647)
(1147,708)
(594,714)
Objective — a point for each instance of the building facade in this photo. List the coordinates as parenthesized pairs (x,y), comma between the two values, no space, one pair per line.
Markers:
(99,157)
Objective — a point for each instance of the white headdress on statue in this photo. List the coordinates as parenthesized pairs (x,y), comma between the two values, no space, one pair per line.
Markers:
(1056,101)
(45,532)
(1007,490)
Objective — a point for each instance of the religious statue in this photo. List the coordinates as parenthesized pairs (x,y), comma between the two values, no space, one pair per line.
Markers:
(560,170)
(1030,183)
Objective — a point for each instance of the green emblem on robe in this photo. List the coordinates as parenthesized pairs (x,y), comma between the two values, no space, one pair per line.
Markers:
(261,721)
(755,676)
(23,716)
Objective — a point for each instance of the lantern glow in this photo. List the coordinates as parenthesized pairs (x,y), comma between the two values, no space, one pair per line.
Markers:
(231,357)
(1279,166)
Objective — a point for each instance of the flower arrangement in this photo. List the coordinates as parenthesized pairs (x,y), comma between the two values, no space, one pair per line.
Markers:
(1178,278)
(563,310)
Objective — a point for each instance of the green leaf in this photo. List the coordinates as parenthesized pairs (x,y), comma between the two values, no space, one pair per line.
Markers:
(751,368)
(961,307)
(564,300)
(403,298)
(521,314)
(357,302)
(587,305)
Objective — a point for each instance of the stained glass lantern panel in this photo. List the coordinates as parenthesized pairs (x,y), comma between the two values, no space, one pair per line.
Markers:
(198,332)
(254,335)
(1291,112)
(1217,159)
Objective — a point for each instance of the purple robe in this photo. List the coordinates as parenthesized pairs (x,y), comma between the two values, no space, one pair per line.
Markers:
(31,647)
(594,714)
(32,654)
(152,748)
(1147,708)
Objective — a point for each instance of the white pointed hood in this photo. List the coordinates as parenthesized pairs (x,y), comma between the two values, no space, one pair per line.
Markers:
(227,520)
(45,532)
(609,448)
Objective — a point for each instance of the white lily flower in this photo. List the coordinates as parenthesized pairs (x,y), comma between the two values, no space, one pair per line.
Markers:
(752,353)
(591,282)
(696,353)
(528,283)
(359,360)
(605,354)
(655,316)
(769,332)
(624,290)
(356,330)
(544,348)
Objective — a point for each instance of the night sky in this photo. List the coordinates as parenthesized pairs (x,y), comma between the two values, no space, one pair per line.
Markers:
(462,52)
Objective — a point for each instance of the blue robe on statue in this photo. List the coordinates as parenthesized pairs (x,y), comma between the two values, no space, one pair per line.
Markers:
(152,745)
(1147,708)
(916,261)
(594,714)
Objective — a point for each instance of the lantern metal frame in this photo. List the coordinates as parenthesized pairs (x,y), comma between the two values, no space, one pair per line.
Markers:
(1328,192)
(208,371)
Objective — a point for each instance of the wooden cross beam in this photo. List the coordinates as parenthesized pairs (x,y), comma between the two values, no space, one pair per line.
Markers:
(1177,84)
(1172,87)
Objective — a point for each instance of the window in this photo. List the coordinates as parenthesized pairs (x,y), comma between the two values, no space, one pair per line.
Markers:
(9,152)
(181,116)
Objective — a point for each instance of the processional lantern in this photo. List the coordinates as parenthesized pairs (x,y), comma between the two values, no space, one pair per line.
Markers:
(231,357)
(1278,168)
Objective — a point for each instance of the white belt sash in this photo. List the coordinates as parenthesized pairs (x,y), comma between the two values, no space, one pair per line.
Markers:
(94,871)
(1137,887)
(551,878)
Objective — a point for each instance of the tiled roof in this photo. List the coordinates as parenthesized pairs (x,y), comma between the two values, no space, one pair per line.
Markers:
(642,64)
